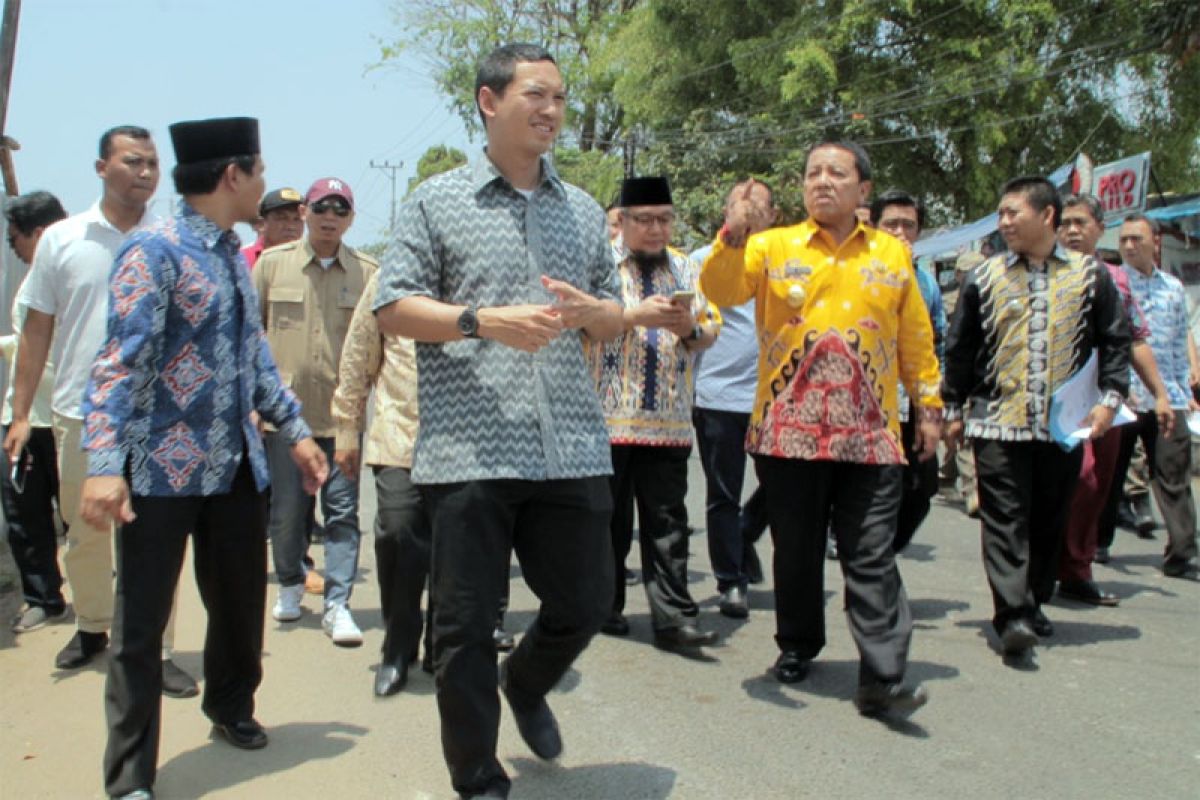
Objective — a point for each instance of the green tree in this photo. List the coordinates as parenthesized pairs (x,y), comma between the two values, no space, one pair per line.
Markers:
(951,98)
(453,35)
(434,161)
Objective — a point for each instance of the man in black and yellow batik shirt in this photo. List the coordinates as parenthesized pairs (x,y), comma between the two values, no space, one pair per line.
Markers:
(1026,321)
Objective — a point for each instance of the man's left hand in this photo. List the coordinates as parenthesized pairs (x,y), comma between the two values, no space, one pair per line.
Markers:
(314,469)
(105,500)
(1165,414)
(927,436)
(1100,419)
(575,307)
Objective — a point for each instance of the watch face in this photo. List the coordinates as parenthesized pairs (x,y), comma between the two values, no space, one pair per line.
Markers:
(468,323)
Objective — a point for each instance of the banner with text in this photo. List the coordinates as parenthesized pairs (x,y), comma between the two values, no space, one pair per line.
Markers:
(1121,185)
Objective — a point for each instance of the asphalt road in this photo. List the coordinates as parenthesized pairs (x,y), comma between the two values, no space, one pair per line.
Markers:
(1110,711)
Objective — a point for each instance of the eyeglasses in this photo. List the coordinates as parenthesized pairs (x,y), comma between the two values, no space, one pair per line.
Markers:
(650,220)
(321,206)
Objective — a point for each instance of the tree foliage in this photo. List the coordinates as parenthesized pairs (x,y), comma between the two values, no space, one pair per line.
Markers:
(435,161)
(951,97)
(454,35)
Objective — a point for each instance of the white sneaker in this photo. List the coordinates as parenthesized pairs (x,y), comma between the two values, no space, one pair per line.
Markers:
(339,626)
(287,605)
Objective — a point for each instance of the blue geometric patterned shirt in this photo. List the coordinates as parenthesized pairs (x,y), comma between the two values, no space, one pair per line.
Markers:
(184,363)
(489,411)
(1164,305)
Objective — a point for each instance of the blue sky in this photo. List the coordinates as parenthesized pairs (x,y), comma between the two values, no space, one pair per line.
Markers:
(301,67)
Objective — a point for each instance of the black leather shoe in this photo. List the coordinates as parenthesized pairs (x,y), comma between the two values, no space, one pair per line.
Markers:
(616,625)
(136,794)
(790,667)
(752,566)
(1042,625)
(247,734)
(686,635)
(1018,637)
(534,719)
(176,682)
(1125,517)
(877,699)
(1086,592)
(503,639)
(632,578)
(390,679)
(733,603)
(1180,569)
(1143,517)
(82,648)
(1102,556)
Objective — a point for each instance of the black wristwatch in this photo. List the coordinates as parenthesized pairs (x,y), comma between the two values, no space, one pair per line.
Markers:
(468,323)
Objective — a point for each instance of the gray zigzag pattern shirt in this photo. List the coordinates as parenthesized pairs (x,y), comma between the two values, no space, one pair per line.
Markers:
(489,411)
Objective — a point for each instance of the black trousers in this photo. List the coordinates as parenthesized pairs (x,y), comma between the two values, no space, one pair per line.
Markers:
(860,501)
(733,528)
(229,534)
(1025,491)
(656,479)
(559,531)
(30,516)
(1170,462)
(402,545)
(919,485)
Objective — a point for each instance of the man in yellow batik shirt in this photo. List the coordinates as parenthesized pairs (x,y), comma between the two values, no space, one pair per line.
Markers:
(840,321)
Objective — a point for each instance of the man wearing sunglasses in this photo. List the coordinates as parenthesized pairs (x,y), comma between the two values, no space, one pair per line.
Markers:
(308,290)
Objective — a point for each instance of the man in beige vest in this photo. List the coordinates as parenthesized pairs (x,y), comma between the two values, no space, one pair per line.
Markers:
(308,290)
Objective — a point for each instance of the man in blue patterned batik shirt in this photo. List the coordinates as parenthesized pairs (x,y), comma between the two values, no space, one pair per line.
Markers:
(1161,298)
(173,450)
(498,270)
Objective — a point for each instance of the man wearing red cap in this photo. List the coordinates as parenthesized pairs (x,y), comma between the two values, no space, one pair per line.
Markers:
(173,451)
(308,290)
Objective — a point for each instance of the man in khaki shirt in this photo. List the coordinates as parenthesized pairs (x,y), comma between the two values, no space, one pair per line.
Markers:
(308,290)
(402,533)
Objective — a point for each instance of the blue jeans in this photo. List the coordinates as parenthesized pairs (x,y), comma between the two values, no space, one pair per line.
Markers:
(292,509)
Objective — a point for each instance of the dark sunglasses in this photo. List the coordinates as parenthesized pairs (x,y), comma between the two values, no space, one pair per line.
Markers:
(321,206)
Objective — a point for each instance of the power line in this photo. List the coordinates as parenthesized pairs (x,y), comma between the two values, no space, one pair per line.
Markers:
(391,169)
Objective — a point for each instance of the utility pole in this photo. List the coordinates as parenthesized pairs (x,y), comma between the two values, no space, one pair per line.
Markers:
(392,169)
(8,48)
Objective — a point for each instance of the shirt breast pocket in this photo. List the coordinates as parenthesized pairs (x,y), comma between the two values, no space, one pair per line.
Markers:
(286,308)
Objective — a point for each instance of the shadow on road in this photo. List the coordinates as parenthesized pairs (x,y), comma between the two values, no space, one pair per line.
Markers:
(934,608)
(631,780)
(215,765)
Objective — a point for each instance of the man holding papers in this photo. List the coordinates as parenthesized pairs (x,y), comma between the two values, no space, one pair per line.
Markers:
(1026,321)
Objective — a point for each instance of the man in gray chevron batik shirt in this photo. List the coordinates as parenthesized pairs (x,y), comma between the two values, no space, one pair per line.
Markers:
(499,270)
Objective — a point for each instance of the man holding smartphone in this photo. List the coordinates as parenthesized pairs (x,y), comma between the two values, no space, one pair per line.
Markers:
(644,379)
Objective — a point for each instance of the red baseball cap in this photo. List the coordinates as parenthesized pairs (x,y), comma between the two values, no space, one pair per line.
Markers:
(329,187)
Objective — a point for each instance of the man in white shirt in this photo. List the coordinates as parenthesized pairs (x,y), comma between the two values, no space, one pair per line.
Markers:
(66,296)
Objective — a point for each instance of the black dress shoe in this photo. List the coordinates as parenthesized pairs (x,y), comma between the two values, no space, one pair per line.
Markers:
(176,682)
(790,667)
(1018,637)
(632,578)
(1180,569)
(534,719)
(1143,517)
(1042,625)
(503,639)
(1086,592)
(82,648)
(878,699)
(616,625)
(1125,517)
(733,603)
(247,734)
(1102,556)
(390,679)
(136,794)
(686,635)
(752,566)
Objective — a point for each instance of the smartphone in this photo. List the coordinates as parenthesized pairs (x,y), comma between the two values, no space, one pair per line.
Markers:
(682,298)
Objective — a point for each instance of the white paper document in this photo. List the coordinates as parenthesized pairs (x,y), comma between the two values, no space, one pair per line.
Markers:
(1074,400)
